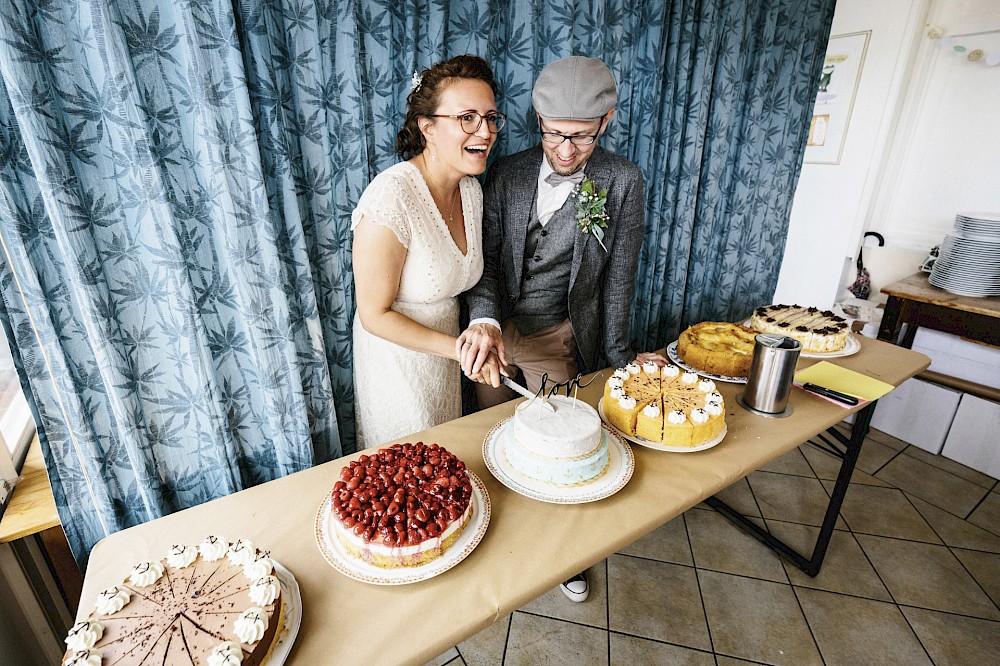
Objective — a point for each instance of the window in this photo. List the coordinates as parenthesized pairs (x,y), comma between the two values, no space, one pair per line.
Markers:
(16,424)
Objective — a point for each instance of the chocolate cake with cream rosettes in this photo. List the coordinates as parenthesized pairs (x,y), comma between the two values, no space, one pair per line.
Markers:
(401,506)
(215,604)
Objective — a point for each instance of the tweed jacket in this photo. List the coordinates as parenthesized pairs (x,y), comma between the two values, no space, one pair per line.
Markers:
(601,283)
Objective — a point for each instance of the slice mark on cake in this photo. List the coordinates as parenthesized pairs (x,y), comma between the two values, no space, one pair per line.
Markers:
(198,640)
(222,584)
(138,591)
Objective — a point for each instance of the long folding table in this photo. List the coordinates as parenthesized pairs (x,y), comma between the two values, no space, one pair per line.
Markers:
(529,546)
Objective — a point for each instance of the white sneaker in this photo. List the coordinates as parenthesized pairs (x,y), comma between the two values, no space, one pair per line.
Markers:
(576,588)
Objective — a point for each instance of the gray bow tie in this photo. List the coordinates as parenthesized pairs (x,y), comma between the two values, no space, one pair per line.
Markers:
(554,178)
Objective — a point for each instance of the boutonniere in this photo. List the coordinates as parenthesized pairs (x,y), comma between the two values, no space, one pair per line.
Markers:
(590,215)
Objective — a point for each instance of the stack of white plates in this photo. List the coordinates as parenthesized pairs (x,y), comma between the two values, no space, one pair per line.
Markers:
(969,263)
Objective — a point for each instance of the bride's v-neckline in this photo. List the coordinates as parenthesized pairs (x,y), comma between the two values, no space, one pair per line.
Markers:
(443,224)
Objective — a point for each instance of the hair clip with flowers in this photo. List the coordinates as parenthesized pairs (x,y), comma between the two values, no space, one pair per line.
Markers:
(415,82)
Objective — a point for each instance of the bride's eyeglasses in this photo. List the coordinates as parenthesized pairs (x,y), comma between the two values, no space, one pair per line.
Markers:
(472,121)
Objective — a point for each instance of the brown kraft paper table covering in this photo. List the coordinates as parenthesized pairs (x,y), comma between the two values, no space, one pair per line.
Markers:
(529,547)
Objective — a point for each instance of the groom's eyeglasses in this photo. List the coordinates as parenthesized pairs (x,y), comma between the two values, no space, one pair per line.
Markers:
(576,139)
(472,121)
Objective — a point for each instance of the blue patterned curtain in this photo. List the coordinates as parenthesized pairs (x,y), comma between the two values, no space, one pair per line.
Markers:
(176,181)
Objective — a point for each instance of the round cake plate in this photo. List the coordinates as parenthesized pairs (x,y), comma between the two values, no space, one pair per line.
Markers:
(851,348)
(659,446)
(620,468)
(342,561)
(672,354)
(293,615)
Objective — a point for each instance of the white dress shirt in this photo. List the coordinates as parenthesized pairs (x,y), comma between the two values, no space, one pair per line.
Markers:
(551,197)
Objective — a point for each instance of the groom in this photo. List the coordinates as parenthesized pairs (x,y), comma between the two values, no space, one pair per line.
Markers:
(561,292)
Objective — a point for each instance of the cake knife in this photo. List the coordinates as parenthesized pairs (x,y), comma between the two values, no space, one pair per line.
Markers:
(510,383)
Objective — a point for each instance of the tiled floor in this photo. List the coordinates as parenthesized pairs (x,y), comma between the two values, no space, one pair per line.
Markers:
(912,577)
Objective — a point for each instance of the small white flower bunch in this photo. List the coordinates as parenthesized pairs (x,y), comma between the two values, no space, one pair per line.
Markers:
(416,81)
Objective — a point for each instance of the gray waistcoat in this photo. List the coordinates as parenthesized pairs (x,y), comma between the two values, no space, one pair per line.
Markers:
(548,257)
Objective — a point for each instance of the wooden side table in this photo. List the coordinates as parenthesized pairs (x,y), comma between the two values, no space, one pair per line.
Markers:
(31,511)
(914,300)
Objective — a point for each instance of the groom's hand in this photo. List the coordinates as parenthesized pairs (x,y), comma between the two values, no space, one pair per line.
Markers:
(652,357)
(474,345)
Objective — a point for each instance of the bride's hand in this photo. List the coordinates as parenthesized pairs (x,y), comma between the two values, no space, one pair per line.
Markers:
(490,372)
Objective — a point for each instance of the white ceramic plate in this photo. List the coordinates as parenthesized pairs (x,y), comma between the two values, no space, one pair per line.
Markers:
(672,354)
(293,615)
(619,471)
(659,446)
(339,559)
(850,348)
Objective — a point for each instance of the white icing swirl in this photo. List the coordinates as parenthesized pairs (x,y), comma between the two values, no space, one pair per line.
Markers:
(713,409)
(626,402)
(242,552)
(146,573)
(250,625)
(676,417)
(633,369)
(112,600)
(617,393)
(226,654)
(85,658)
(615,382)
(650,368)
(180,557)
(699,416)
(651,410)
(84,635)
(670,371)
(713,398)
(259,568)
(706,385)
(689,378)
(264,590)
(213,547)
(621,373)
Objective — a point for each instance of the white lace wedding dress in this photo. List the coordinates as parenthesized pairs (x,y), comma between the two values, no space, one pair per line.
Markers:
(398,391)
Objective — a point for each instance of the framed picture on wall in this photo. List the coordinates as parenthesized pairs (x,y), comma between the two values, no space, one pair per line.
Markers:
(838,85)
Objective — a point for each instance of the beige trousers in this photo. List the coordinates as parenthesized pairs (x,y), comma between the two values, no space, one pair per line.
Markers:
(551,351)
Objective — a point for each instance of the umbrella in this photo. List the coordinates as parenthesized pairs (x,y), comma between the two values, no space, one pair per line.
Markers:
(862,285)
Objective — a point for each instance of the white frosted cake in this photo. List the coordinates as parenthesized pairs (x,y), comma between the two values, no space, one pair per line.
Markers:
(565,448)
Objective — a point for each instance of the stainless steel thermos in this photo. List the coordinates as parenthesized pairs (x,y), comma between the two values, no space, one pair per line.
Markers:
(771,372)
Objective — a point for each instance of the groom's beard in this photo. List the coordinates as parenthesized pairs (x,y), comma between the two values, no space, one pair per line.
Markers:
(563,171)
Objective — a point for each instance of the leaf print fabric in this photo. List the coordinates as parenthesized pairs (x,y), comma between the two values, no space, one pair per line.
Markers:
(176,183)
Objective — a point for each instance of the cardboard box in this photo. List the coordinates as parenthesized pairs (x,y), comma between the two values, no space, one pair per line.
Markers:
(951,355)
(919,413)
(973,439)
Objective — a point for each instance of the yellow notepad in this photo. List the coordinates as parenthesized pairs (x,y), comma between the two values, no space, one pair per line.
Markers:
(846,381)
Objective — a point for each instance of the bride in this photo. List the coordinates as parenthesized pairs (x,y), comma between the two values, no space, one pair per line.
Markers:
(417,246)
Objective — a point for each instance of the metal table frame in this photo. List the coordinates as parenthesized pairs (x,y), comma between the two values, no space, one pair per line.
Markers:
(835,443)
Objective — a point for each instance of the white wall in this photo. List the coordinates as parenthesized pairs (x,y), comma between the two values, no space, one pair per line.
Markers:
(945,156)
(923,143)
(831,202)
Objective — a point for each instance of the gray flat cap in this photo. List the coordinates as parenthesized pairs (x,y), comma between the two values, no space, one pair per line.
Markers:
(574,88)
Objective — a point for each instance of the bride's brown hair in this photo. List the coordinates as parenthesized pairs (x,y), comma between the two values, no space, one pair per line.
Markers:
(423,101)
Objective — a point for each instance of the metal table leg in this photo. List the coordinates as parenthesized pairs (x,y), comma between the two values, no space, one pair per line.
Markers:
(849,458)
